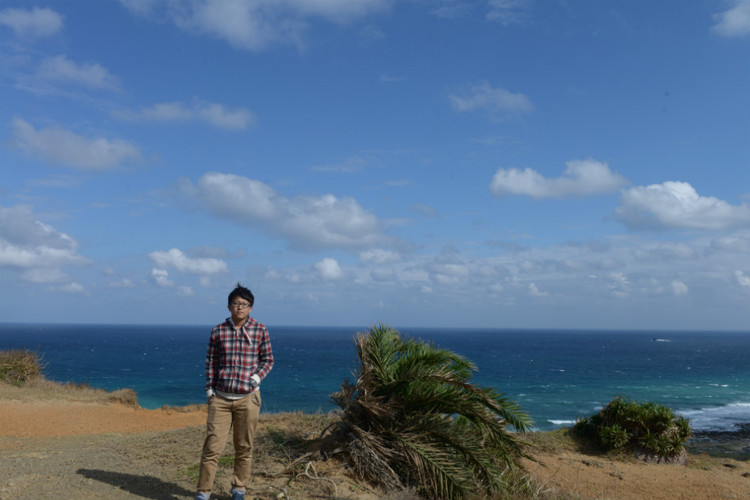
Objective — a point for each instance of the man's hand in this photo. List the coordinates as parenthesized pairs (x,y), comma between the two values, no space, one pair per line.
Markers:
(255,380)
(209,395)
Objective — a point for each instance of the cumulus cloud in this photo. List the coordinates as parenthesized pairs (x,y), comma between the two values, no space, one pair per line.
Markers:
(58,146)
(679,288)
(483,96)
(177,259)
(62,69)
(253,25)
(534,291)
(34,23)
(742,279)
(197,110)
(379,256)
(307,222)
(35,250)
(329,269)
(581,178)
(734,22)
(161,278)
(678,205)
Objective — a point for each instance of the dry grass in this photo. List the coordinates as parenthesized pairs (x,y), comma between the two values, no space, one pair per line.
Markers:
(21,378)
(19,366)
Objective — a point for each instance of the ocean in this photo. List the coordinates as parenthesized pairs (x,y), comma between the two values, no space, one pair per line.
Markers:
(556,376)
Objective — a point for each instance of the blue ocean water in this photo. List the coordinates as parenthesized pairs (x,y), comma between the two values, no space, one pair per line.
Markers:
(555,376)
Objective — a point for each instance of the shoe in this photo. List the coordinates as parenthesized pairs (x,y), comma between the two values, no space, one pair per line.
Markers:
(238,494)
(202,496)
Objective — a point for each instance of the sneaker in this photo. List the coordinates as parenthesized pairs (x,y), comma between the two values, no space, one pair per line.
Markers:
(202,496)
(238,494)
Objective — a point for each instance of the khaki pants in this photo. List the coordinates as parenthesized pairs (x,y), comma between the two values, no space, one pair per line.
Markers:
(242,416)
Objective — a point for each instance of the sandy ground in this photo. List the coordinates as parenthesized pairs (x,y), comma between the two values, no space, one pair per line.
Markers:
(87,451)
(65,418)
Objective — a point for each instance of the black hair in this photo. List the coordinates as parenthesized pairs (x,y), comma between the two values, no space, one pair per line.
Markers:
(241,292)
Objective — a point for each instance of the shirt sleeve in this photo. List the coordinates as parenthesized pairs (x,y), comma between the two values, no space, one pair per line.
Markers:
(212,361)
(265,354)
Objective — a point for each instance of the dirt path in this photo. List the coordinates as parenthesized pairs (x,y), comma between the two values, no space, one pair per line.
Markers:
(109,451)
(60,449)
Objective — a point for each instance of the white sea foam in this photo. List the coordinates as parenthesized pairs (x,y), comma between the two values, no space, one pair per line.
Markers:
(720,418)
(561,422)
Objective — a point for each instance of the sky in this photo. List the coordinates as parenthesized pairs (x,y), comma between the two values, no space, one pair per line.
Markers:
(562,164)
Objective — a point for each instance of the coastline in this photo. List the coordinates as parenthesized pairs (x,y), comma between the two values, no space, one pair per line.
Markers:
(734,444)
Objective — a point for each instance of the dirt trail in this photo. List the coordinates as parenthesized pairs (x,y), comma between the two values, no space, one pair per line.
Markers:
(109,451)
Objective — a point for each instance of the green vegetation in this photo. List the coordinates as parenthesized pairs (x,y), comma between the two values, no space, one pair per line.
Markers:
(625,425)
(413,420)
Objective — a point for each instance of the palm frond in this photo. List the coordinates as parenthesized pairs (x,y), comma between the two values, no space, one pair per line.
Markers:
(413,413)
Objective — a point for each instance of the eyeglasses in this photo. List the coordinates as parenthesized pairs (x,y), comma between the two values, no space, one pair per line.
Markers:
(240,305)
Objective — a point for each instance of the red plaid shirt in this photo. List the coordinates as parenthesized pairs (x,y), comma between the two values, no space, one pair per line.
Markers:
(235,355)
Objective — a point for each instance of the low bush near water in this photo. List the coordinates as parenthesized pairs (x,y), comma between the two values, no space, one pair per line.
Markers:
(19,366)
(625,425)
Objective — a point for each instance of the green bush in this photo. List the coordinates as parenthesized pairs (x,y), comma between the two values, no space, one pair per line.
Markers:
(625,425)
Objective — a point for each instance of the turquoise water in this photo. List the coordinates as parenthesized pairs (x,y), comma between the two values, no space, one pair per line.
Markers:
(556,376)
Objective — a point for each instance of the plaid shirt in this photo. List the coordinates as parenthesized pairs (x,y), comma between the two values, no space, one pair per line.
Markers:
(235,355)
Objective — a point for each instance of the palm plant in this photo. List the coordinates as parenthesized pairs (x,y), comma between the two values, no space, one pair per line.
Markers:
(413,419)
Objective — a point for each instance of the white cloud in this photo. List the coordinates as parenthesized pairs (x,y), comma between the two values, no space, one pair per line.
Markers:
(177,259)
(678,205)
(329,269)
(679,288)
(742,279)
(581,178)
(214,114)
(253,25)
(496,100)
(71,288)
(734,22)
(34,250)
(307,222)
(25,242)
(123,283)
(43,275)
(379,256)
(58,146)
(35,23)
(535,292)
(161,278)
(61,69)
(507,11)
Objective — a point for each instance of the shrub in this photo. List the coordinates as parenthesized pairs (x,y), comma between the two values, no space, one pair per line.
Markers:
(19,366)
(625,425)
(413,420)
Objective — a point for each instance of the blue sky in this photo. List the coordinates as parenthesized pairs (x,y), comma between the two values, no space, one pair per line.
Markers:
(483,163)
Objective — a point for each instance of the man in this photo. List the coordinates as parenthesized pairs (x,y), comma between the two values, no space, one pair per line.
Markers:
(238,359)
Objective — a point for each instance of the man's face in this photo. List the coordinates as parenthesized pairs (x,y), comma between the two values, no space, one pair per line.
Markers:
(240,309)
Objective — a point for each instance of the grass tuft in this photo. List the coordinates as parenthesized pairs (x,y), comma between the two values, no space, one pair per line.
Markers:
(19,366)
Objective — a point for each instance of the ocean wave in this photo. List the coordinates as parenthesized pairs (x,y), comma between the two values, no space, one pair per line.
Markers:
(562,422)
(727,418)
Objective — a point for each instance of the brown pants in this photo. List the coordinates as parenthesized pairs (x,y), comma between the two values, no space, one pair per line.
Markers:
(242,416)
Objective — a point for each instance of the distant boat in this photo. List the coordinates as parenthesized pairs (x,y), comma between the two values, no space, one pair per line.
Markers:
(660,340)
